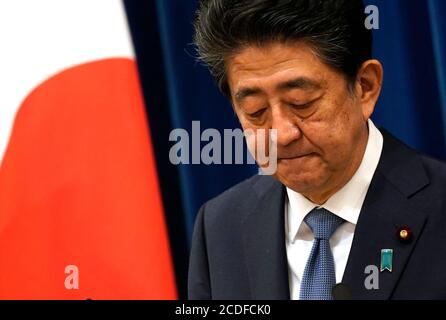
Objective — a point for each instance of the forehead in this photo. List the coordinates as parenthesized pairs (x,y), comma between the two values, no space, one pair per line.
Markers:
(274,63)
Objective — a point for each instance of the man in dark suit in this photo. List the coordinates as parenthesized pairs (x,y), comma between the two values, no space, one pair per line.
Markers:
(348,204)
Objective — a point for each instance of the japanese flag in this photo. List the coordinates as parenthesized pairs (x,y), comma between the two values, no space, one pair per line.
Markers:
(81,214)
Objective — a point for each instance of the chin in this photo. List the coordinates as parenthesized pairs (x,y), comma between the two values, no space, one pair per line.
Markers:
(301,182)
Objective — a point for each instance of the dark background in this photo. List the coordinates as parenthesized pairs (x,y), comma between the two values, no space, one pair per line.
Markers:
(410,42)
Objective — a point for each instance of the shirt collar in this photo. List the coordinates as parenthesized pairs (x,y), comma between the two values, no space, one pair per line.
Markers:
(347,202)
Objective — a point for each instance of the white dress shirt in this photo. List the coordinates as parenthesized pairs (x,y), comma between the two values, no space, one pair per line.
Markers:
(346,203)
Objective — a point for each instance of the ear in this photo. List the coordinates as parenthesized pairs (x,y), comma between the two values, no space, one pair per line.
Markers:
(368,85)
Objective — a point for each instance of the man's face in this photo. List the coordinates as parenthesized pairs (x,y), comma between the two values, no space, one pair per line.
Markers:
(321,126)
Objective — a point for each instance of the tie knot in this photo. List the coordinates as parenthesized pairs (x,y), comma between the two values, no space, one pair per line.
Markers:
(322,222)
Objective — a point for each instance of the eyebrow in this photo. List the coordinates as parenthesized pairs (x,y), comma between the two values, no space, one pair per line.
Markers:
(297,83)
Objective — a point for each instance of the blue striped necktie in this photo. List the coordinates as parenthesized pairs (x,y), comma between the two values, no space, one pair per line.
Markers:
(319,274)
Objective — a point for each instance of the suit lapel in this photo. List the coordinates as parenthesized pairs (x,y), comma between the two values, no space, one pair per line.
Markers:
(389,204)
(264,243)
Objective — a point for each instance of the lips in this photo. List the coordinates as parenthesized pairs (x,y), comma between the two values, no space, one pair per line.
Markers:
(296,156)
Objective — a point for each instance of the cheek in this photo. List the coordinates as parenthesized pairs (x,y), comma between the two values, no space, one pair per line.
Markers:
(332,135)
(258,141)
(343,140)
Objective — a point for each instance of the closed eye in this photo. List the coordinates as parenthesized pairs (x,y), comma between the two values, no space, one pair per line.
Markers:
(301,106)
(257,114)
(304,105)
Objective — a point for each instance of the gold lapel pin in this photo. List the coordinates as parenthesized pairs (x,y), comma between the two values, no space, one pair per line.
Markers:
(404,234)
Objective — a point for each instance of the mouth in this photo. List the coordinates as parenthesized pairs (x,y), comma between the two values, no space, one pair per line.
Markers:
(296,156)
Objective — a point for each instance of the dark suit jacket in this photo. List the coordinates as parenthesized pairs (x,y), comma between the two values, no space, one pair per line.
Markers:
(238,247)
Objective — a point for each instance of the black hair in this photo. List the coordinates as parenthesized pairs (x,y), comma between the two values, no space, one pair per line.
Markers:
(333,28)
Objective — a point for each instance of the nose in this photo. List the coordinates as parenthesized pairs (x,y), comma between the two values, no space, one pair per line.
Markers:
(284,122)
